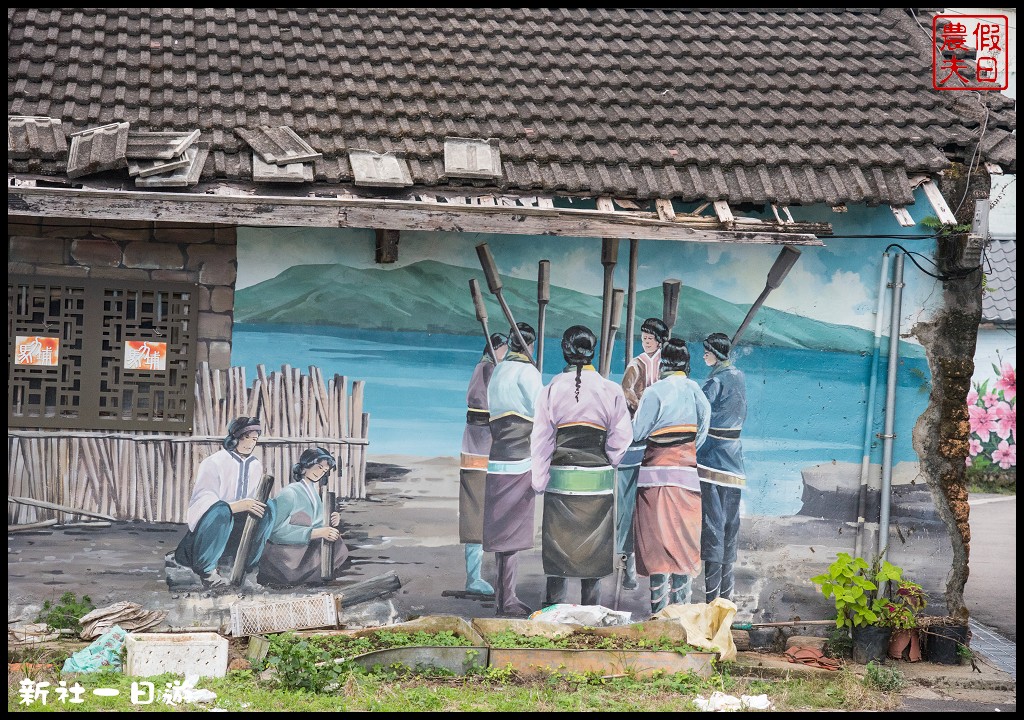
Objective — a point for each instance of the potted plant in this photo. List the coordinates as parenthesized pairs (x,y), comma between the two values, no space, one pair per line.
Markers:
(899,612)
(945,639)
(854,585)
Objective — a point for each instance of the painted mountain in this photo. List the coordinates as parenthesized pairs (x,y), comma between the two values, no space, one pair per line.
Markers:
(434,297)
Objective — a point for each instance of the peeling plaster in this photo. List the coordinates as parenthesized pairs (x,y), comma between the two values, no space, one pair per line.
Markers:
(942,432)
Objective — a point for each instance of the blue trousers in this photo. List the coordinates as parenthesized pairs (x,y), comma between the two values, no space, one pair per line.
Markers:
(217,536)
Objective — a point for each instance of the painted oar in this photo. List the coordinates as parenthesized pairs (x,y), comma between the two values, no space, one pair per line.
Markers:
(494,285)
(670,303)
(543,298)
(481,316)
(783,264)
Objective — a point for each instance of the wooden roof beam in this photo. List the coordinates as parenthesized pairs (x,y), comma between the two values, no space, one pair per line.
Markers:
(287,211)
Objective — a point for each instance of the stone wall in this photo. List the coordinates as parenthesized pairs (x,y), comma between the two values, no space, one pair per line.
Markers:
(128,250)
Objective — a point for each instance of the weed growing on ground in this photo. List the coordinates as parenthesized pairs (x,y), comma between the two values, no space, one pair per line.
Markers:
(839,644)
(66,613)
(884,678)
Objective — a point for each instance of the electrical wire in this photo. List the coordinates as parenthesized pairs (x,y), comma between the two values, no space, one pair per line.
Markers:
(944,277)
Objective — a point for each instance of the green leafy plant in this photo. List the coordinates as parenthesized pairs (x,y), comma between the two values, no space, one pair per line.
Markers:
(884,678)
(944,229)
(900,610)
(301,665)
(66,613)
(853,583)
(839,644)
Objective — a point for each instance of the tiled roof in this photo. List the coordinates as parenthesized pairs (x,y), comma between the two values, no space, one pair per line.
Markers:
(791,107)
(999,301)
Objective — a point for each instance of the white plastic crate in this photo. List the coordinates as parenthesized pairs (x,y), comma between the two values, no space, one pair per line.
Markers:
(317,611)
(202,653)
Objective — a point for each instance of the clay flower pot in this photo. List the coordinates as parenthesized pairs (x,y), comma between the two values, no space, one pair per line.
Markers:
(905,645)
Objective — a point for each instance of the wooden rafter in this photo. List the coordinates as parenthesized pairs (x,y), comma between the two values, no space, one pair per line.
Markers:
(418,214)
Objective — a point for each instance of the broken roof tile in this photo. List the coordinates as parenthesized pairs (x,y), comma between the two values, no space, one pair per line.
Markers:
(145,168)
(98,149)
(379,169)
(184,176)
(471,158)
(291,173)
(35,137)
(278,144)
(159,145)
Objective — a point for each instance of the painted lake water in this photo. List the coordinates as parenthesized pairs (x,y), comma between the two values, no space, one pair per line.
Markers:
(805,406)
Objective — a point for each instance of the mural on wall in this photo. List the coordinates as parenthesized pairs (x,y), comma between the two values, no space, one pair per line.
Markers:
(795,382)
(238,535)
(992,406)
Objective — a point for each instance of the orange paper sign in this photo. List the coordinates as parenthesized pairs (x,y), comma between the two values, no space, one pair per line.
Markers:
(36,350)
(145,355)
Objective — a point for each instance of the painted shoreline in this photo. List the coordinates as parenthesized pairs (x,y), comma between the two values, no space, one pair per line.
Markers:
(408,525)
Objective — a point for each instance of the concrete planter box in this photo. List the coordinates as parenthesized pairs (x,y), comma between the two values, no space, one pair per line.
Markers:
(202,653)
(638,663)
(530,661)
(641,663)
(456,660)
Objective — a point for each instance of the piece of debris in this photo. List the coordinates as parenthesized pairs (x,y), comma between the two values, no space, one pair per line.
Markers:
(128,615)
(103,654)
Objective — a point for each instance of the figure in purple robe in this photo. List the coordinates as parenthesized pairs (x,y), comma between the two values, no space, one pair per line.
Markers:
(581,429)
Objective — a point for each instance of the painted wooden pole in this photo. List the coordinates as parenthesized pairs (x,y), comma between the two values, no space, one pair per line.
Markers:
(783,264)
(481,316)
(494,285)
(249,530)
(327,547)
(631,299)
(609,255)
(670,303)
(543,298)
(613,326)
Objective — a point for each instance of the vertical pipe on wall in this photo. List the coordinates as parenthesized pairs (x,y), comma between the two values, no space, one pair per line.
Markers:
(865,461)
(890,407)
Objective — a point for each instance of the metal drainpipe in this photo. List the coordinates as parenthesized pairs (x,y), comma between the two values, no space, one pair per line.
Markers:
(890,407)
(869,421)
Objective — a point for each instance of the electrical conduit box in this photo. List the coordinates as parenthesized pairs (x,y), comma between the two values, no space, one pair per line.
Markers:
(202,653)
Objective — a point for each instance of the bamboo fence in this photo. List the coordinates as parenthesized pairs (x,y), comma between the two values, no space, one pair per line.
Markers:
(80,475)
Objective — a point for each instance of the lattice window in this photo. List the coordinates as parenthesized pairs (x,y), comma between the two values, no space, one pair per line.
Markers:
(100,354)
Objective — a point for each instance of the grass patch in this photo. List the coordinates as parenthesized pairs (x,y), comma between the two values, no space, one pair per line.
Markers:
(492,690)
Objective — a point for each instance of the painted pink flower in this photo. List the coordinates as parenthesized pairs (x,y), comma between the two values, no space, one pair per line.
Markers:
(981,423)
(1005,416)
(1007,381)
(990,399)
(975,446)
(1005,455)
(970,461)
(972,397)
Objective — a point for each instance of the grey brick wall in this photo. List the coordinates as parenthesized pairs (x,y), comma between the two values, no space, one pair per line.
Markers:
(204,254)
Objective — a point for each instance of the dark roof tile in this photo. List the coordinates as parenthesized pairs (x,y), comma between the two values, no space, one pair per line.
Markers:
(999,301)
(608,94)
